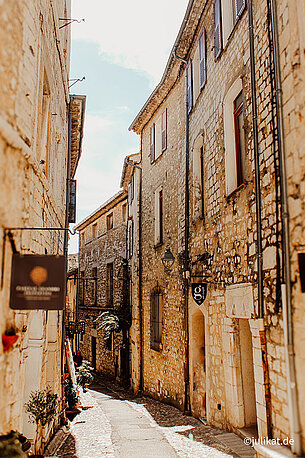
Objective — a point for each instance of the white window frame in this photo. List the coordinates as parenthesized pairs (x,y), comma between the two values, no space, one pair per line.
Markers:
(229,136)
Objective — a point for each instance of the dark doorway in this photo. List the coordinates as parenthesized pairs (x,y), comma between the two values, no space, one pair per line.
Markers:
(93,352)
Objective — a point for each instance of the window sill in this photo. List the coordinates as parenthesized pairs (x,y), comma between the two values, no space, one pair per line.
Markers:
(156,347)
(158,245)
(241,186)
(93,307)
(158,158)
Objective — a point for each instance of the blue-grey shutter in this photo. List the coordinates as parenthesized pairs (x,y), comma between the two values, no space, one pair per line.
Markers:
(240,5)
(202,60)
(189,93)
(217,29)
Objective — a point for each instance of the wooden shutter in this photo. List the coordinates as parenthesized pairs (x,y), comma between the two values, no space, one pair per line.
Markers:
(240,5)
(152,143)
(202,60)
(164,130)
(158,216)
(130,238)
(189,93)
(217,29)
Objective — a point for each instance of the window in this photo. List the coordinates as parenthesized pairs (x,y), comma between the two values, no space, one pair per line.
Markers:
(124,212)
(130,239)
(189,77)
(202,59)
(94,227)
(164,130)
(94,289)
(234,138)
(152,143)
(239,138)
(198,180)
(131,190)
(231,11)
(202,180)
(156,301)
(109,221)
(82,287)
(109,284)
(158,216)
(217,30)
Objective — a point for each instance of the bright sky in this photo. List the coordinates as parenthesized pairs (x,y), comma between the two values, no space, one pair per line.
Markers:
(121,49)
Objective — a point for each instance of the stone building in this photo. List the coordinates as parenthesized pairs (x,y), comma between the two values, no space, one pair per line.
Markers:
(35,114)
(227,186)
(160,304)
(131,183)
(103,285)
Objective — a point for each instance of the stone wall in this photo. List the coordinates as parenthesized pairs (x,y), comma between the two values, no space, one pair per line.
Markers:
(32,188)
(163,370)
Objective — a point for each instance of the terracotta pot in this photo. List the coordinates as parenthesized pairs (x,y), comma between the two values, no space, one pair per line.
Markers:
(8,341)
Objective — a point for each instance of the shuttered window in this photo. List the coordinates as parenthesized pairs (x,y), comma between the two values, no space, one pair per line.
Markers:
(217,29)
(130,238)
(202,59)
(152,143)
(109,284)
(156,301)
(240,5)
(189,95)
(164,130)
(158,217)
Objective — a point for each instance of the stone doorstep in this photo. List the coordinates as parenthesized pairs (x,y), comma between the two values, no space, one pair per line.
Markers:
(273,451)
(59,438)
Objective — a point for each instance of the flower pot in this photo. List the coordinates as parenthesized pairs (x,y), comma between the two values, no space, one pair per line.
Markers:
(8,341)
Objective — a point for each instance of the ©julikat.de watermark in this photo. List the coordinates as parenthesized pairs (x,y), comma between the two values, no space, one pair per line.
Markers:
(266,441)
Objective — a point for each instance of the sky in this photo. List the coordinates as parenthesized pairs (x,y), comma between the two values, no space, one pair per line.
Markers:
(121,49)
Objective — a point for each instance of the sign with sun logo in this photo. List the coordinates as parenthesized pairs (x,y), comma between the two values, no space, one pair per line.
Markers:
(38,282)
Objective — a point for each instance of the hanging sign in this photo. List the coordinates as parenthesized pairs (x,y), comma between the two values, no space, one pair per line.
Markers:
(199,292)
(38,282)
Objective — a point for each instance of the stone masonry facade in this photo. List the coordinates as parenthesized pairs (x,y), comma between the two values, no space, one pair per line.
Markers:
(34,113)
(223,357)
(102,284)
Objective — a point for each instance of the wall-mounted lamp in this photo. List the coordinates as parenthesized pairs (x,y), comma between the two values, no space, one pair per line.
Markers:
(168,260)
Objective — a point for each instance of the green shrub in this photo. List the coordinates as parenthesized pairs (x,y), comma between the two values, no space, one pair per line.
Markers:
(42,406)
(84,374)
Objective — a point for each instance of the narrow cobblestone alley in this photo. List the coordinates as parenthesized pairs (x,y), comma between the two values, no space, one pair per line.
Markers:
(116,423)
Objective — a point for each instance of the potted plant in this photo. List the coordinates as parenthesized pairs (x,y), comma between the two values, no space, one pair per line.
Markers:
(42,408)
(9,338)
(84,374)
(71,399)
(10,445)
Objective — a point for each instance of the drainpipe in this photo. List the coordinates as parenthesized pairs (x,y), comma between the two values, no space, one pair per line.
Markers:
(295,429)
(258,203)
(186,258)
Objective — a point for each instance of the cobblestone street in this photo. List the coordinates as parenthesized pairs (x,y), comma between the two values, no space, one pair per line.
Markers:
(117,423)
